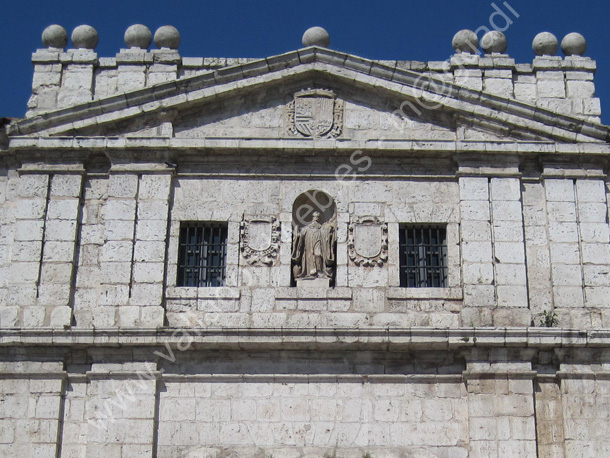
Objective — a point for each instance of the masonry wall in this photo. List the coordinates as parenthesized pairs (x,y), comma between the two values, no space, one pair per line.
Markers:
(101,250)
(474,402)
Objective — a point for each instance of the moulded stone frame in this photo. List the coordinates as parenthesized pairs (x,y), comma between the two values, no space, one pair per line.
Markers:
(454,289)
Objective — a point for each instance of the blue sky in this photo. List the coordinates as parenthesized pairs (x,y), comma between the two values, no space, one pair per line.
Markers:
(396,29)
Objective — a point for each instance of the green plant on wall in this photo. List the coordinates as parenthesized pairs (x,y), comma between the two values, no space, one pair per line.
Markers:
(548,319)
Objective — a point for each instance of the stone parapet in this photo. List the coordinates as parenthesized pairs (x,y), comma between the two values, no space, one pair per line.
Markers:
(65,79)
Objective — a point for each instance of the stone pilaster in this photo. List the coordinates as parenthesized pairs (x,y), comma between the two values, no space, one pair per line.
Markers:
(7,317)
(580,87)
(500,406)
(584,387)
(46,83)
(116,254)
(151,234)
(165,66)
(120,412)
(540,289)
(55,290)
(594,236)
(28,238)
(477,249)
(131,69)
(87,313)
(78,77)
(472,78)
(133,254)
(45,240)
(549,418)
(498,72)
(564,241)
(550,84)
(31,408)
(75,426)
(509,250)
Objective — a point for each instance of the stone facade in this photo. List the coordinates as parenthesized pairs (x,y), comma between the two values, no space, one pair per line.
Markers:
(106,353)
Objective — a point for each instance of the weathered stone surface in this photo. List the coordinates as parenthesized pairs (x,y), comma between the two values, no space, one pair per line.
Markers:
(545,44)
(84,36)
(104,340)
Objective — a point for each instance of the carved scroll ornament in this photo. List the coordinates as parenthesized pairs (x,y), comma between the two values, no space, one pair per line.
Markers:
(368,241)
(260,240)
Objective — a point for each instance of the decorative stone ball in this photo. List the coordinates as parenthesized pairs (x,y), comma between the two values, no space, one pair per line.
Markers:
(465,41)
(316,36)
(574,44)
(494,41)
(545,44)
(167,36)
(138,36)
(55,36)
(84,37)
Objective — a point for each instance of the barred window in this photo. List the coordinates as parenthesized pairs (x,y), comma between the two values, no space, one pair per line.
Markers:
(202,254)
(423,256)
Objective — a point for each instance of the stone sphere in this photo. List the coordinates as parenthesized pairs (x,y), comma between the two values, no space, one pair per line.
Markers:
(465,41)
(138,36)
(55,36)
(167,36)
(494,41)
(574,44)
(316,36)
(545,44)
(84,37)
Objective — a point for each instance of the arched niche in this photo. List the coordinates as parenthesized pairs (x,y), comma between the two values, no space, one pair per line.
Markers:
(310,201)
(314,239)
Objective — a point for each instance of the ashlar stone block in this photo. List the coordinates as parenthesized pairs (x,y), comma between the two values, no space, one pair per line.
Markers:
(558,190)
(474,188)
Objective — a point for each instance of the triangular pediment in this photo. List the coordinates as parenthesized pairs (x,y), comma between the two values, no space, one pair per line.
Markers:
(253,100)
(273,113)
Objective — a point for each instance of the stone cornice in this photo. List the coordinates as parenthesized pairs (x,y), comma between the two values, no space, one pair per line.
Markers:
(308,338)
(299,145)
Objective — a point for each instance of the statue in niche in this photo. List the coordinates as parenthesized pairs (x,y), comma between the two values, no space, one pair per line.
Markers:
(313,254)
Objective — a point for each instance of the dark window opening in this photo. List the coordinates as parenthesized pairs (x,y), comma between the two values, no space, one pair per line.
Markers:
(202,254)
(423,256)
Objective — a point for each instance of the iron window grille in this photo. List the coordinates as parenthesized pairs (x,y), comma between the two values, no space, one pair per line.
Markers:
(423,256)
(202,254)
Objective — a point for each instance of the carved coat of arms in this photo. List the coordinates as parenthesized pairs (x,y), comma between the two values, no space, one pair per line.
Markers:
(368,241)
(315,113)
(260,240)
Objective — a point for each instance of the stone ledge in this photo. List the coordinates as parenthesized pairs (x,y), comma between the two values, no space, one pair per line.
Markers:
(455,293)
(103,375)
(585,375)
(308,338)
(315,378)
(296,146)
(313,293)
(61,168)
(186,292)
(499,375)
(58,375)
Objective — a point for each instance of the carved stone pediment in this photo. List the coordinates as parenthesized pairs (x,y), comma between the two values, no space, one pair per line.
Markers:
(315,113)
(260,240)
(368,241)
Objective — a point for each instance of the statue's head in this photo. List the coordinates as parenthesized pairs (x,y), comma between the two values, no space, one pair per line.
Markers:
(316,217)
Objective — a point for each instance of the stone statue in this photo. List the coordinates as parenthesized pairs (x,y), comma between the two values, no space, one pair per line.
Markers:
(313,254)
